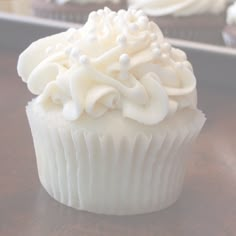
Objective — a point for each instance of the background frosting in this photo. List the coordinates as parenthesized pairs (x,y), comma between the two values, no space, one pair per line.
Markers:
(83,1)
(179,7)
(116,61)
(231,14)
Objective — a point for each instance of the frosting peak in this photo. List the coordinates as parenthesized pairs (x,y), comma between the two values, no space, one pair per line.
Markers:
(116,61)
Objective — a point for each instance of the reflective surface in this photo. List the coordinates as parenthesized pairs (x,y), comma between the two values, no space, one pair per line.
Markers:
(204,28)
(207,205)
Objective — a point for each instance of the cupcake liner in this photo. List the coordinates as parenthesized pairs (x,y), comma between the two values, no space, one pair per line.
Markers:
(112,174)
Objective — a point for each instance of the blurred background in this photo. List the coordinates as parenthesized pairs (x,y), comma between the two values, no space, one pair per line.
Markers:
(21,7)
(205,21)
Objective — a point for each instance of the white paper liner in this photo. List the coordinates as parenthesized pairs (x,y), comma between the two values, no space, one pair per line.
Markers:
(110,174)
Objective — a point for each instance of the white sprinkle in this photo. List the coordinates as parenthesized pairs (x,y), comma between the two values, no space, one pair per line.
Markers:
(84,60)
(121,12)
(124,60)
(107,10)
(139,13)
(178,65)
(92,38)
(75,53)
(143,21)
(153,37)
(93,15)
(187,64)
(49,50)
(164,57)
(100,12)
(156,53)
(124,66)
(68,50)
(121,40)
(154,45)
(180,54)
(165,47)
(133,27)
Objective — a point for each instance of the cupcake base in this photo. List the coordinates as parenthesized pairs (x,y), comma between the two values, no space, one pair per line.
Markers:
(72,12)
(112,165)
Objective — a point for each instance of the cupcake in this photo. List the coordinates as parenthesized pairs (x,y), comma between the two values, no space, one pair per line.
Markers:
(229,33)
(72,10)
(197,20)
(114,115)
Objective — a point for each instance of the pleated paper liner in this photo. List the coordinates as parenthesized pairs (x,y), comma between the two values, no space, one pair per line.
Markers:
(132,173)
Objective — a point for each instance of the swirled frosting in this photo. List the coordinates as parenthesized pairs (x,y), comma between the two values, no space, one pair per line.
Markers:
(231,14)
(178,7)
(116,61)
(61,2)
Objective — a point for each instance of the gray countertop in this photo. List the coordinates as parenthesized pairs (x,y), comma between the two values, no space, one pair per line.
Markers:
(207,205)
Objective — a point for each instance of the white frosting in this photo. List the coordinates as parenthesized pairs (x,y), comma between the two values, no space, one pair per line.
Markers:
(61,2)
(116,61)
(178,7)
(231,14)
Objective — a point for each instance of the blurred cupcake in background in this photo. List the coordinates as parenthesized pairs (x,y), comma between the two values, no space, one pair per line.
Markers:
(197,20)
(73,10)
(229,33)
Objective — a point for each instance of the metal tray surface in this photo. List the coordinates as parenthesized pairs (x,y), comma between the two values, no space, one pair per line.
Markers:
(207,206)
